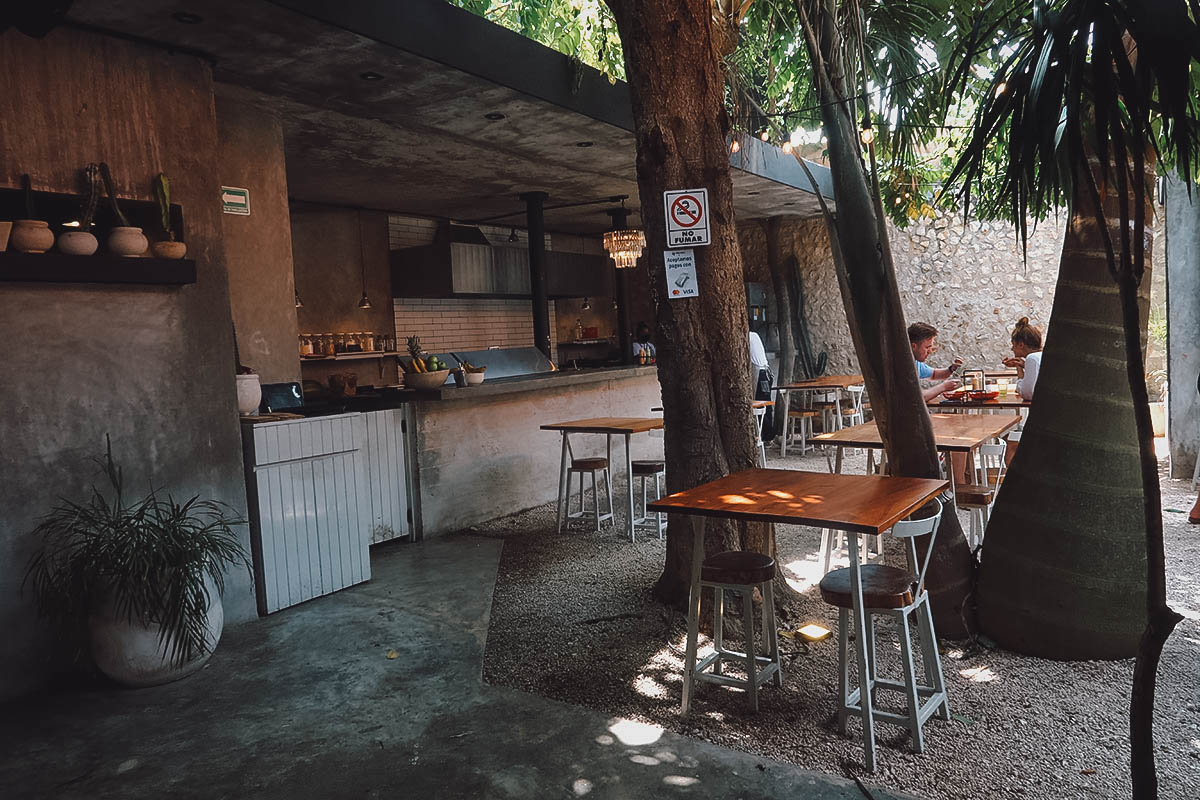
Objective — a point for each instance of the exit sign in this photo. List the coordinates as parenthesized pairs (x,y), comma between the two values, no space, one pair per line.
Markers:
(235,201)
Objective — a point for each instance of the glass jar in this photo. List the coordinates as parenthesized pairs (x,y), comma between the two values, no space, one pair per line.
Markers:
(367,341)
(330,345)
(339,343)
(306,344)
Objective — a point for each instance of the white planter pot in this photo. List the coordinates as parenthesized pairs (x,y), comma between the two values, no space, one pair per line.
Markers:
(127,241)
(32,236)
(77,243)
(249,394)
(131,654)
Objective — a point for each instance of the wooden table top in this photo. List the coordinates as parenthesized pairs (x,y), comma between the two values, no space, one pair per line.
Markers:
(861,503)
(1011,400)
(607,425)
(761,403)
(826,382)
(954,432)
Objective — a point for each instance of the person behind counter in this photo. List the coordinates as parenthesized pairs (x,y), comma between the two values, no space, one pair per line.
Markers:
(644,351)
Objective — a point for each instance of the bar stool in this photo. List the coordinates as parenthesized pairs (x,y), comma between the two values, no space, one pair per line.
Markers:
(802,418)
(741,572)
(581,467)
(896,593)
(643,472)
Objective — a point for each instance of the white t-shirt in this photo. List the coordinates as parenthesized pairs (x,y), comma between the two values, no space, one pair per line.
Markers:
(1033,364)
(758,353)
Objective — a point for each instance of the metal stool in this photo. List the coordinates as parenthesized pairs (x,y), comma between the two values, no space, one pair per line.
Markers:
(581,467)
(899,594)
(643,471)
(742,572)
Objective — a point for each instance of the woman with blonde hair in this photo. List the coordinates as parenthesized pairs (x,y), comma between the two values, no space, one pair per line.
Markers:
(1027,356)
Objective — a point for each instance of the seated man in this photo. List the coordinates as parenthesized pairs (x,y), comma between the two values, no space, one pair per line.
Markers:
(923,338)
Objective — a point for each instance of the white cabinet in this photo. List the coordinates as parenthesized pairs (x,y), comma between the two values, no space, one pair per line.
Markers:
(310,503)
(384,443)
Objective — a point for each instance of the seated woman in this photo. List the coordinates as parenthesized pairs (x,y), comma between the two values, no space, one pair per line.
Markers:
(1027,356)
(1027,360)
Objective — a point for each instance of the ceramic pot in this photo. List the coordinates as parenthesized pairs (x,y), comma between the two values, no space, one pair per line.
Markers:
(77,243)
(32,236)
(127,241)
(170,250)
(131,653)
(249,394)
(5,230)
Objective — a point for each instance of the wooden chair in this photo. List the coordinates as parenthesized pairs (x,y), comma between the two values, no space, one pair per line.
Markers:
(644,472)
(741,572)
(802,418)
(899,594)
(853,415)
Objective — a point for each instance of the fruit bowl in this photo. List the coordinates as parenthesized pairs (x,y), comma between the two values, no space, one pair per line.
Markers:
(473,378)
(426,380)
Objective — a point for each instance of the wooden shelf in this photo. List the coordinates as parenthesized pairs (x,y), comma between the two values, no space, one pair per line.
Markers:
(350,356)
(99,268)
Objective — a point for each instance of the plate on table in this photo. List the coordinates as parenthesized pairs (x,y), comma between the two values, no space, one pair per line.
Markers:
(981,396)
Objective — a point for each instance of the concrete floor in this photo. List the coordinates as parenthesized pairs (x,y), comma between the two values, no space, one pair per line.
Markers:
(305,703)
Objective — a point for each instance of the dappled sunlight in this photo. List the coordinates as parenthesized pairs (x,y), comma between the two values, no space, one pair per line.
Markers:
(736,500)
(781,494)
(581,786)
(633,733)
(645,761)
(649,687)
(979,674)
(680,780)
(805,574)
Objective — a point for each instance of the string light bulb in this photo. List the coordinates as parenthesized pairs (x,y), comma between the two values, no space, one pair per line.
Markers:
(787,147)
(867,134)
(764,135)
(734,146)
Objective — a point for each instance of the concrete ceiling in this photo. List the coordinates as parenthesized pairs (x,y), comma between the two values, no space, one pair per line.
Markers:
(418,138)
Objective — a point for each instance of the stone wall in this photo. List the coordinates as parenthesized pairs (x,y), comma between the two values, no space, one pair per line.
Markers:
(967,280)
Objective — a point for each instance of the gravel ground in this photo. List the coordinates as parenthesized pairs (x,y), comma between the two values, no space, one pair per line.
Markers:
(573,620)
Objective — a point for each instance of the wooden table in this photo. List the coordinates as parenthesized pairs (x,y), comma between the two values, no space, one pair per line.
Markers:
(610,427)
(857,504)
(953,433)
(1010,401)
(825,383)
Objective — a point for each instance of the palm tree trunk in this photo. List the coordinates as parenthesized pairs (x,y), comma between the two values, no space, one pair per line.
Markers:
(866,275)
(1064,566)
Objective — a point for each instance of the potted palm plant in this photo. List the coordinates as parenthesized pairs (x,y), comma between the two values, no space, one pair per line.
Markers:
(170,248)
(140,582)
(31,235)
(125,239)
(81,241)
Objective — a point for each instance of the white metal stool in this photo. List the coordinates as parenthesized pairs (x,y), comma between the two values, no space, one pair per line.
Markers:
(899,594)
(741,572)
(582,467)
(644,472)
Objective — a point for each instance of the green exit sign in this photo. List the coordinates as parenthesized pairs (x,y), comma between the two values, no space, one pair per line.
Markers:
(235,201)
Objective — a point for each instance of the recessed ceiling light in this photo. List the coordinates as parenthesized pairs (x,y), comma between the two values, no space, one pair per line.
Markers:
(370,76)
(584,144)
(187,18)
(495,115)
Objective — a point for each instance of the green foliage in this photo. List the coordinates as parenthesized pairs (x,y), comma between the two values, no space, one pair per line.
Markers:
(582,29)
(27,195)
(149,558)
(106,176)
(91,179)
(162,193)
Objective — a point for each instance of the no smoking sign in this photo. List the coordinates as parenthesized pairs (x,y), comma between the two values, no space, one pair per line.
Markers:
(687,217)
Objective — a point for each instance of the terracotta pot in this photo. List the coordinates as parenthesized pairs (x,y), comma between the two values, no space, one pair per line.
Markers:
(131,653)
(127,241)
(5,230)
(32,236)
(249,394)
(77,243)
(170,250)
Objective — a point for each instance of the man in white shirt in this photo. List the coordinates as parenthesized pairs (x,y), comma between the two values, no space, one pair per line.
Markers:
(761,381)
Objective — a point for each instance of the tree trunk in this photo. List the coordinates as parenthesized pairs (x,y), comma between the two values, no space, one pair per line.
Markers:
(780,265)
(866,274)
(1064,568)
(681,128)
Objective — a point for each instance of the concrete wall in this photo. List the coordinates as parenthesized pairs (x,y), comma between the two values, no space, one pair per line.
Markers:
(258,247)
(481,459)
(150,366)
(1183,317)
(329,247)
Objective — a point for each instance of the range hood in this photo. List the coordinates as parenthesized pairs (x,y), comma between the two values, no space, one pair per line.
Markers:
(461,262)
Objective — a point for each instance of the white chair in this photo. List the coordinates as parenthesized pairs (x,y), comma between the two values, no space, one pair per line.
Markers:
(760,414)
(979,497)
(899,594)
(853,415)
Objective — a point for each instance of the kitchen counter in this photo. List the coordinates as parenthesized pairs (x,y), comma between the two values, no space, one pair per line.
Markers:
(561,379)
